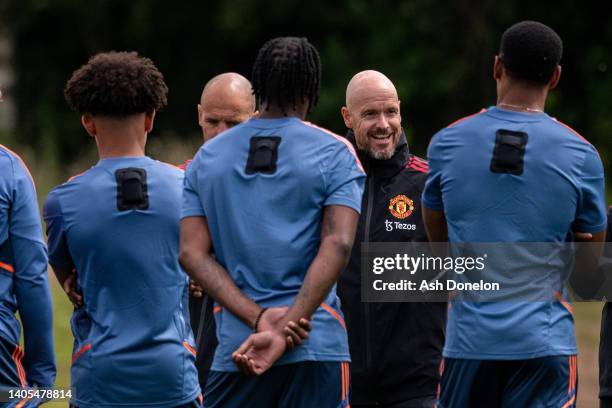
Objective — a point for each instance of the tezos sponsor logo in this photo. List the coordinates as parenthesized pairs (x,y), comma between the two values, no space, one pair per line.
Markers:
(393,225)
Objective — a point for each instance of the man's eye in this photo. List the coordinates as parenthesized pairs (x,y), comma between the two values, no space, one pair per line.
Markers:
(213,122)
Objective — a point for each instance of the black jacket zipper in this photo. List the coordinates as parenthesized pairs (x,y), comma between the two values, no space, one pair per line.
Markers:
(366,239)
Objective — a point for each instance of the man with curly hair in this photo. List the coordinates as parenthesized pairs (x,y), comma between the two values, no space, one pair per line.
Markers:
(113,244)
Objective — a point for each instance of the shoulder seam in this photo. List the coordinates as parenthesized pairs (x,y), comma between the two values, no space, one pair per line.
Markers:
(572,131)
(13,155)
(339,138)
(77,175)
(466,117)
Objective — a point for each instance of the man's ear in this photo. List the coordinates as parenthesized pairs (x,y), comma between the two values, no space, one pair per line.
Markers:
(555,78)
(346,115)
(200,115)
(89,124)
(149,119)
(498,68)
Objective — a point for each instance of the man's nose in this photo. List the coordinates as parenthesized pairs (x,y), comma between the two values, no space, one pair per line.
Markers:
(382,122)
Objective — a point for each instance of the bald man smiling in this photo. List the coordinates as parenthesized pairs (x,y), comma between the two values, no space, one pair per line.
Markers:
(395,347)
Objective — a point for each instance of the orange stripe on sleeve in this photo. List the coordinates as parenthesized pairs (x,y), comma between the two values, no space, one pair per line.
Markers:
(7,267)
(572,130)
(570,402)
(217,309)
(20,161)
(17,356)
(188,347)
(81,351)
(564,302)
(334,313)
(22,403)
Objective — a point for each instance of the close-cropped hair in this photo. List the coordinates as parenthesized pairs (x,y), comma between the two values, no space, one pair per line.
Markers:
(531,51)
(287,71)
(116,84)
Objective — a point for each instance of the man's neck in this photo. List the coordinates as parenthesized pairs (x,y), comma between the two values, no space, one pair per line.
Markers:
(108,148)
(121,137)
(523,99)
(273,111)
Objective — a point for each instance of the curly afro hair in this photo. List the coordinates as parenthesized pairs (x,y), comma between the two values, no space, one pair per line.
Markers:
(116,84)
(531,51)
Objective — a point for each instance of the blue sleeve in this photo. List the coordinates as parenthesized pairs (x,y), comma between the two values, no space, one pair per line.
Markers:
(31,281)
(192,206)
(432,192)
(345,178)
(591,210)
(59,254)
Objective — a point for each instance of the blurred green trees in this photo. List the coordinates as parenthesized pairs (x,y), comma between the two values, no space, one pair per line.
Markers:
(439,54)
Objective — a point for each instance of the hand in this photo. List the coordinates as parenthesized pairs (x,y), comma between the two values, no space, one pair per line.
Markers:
(259,352)
(295,334)
(582,236)
(195,290)
(70,287)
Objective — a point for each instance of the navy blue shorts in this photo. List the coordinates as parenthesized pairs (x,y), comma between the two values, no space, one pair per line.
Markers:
(532,383)
(307,384)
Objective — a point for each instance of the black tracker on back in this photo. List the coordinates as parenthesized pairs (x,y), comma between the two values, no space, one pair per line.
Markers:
(509,152)
(263,154)
(132,189)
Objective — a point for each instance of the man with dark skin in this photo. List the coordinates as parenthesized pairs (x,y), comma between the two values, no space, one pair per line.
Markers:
(276,258)
(520,161)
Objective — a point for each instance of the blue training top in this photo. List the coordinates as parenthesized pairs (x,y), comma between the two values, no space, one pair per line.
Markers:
(266,226)
(24,284)
(561,187)
(133,341)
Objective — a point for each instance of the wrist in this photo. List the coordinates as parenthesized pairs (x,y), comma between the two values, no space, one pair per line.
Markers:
(258,319)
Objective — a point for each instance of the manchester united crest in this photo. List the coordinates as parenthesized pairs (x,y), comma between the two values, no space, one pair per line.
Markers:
(401,206)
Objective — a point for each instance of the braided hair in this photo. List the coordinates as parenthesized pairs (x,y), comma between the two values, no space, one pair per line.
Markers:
(286,72)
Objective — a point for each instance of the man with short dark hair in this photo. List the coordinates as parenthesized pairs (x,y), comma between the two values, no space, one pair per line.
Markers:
(113,243)
(396,348)
(512,174)
(282,234)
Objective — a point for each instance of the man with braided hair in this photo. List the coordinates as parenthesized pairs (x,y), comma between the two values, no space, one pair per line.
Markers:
(282,234)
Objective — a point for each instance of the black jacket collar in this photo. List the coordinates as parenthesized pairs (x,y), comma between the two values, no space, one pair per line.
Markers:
(383,168)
